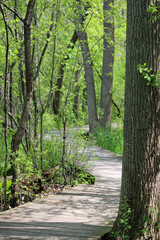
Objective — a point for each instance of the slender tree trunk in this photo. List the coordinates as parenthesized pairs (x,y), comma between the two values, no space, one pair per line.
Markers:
(44,108)
(91,96)
(35,53)
(17,138)
(41,138)
(141,158)
(64,150)
(6,108)
(108,59)
(35,128)
(27,36)
(76,98)
(21,80)
(57,95)
(11,97)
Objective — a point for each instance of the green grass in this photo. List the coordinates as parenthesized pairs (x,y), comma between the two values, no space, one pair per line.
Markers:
(110,139)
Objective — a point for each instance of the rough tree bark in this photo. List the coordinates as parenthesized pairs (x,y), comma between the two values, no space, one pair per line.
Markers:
(108,59)
(141,158)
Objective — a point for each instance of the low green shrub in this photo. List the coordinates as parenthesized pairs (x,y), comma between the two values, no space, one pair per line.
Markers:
(52,153)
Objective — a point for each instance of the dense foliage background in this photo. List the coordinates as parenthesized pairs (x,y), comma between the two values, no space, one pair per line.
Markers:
(52,52)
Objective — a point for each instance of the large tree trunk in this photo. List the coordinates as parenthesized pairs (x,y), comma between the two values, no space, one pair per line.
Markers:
(141,159)
(108,59)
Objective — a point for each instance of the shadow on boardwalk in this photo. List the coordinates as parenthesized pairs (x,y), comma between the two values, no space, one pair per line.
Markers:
(49,230)
(79,213)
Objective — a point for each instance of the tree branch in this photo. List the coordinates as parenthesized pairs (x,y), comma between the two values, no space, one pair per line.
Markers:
(13,11)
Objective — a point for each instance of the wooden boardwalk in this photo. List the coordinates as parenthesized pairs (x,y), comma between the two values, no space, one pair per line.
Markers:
(80,213)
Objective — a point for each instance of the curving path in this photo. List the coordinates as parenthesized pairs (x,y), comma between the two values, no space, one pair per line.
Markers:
(80,213)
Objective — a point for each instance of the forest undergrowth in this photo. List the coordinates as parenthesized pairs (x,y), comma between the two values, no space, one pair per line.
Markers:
(49,176)
(109,138)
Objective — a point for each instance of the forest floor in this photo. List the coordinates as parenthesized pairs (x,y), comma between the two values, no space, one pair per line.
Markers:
(78,213)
